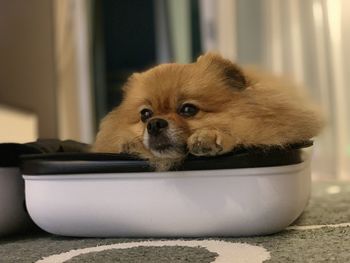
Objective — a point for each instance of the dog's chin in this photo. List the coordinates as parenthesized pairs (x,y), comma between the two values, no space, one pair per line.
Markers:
(168,151)
(163,147)
(166,157)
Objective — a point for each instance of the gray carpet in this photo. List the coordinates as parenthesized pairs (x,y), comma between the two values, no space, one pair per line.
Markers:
(329,205)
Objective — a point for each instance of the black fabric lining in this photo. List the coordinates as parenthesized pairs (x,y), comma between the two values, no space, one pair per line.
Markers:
(82,163)
(10,152)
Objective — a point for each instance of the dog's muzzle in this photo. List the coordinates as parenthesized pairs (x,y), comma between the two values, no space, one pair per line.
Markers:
(161,139)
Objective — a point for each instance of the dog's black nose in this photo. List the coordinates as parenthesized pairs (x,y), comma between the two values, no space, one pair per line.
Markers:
(156,126)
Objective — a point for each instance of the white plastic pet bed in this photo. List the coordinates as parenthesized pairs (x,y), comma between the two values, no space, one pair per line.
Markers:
(248,192)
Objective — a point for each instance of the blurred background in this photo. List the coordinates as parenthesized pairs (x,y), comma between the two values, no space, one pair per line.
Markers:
(62,62)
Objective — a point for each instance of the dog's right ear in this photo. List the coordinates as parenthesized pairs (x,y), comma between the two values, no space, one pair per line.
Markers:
(130,81)
(231,73)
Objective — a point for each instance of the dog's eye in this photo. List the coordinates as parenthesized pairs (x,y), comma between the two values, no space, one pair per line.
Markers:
(146,114)
(188,110)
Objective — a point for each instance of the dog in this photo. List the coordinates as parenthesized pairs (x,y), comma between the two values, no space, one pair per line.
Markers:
(205,108)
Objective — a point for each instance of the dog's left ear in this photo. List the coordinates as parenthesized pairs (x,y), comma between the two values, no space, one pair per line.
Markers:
(231,72)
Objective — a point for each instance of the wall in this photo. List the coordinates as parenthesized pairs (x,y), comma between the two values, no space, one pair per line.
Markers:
(27,78)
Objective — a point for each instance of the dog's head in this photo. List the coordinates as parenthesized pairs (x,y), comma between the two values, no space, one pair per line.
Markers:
(163,106)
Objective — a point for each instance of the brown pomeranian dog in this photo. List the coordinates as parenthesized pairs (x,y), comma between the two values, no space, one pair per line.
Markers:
(204,108)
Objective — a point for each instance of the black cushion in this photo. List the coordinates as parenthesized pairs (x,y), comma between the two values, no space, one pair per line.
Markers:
(10,152)
(82,163)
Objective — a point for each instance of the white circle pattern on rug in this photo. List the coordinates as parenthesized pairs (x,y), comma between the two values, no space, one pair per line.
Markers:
(227,251)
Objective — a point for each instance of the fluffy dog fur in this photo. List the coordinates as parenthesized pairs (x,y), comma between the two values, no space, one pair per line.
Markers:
(237,107)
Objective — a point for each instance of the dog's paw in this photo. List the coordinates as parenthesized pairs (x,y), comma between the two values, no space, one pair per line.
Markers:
(205,143)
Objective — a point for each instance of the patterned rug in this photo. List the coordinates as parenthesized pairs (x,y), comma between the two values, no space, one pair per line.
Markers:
(321,234)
